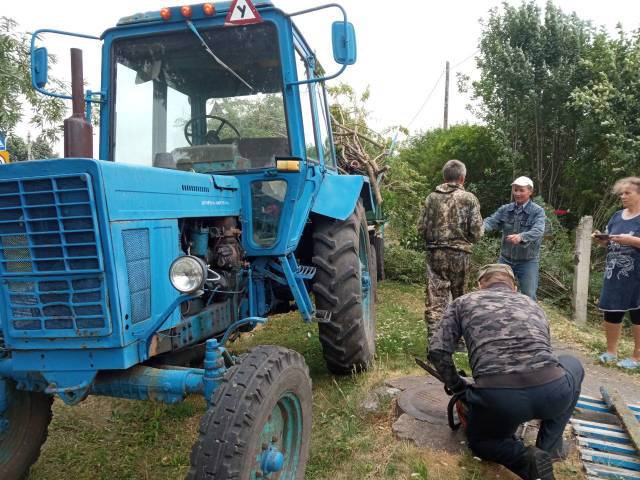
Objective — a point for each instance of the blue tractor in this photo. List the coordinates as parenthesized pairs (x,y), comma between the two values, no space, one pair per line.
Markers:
(215,201)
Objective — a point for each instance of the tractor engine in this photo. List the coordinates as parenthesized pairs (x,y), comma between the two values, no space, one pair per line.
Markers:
(216,241)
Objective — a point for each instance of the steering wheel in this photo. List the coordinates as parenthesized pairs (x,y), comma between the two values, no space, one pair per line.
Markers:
(213,136)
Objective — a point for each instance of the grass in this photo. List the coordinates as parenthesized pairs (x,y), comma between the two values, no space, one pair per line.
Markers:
(109,439)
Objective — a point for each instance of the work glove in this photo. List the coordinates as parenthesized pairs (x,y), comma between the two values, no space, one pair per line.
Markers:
(457,388)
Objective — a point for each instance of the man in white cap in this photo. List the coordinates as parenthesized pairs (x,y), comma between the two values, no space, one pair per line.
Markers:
(522,224)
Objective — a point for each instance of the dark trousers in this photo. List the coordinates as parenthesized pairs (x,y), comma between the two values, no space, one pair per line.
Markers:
(496,413)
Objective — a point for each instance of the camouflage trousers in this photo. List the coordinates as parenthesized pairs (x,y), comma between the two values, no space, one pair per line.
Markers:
(447,275)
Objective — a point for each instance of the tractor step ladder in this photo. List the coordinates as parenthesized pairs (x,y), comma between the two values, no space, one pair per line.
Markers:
(305,272)
(608,450)
(322,316)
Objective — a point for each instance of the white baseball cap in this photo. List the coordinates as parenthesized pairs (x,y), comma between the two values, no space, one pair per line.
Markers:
(523,182)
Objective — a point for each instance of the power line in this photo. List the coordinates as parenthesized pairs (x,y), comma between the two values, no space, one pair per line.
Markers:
(424,104)
(395,137)
(466,59)
(429,95)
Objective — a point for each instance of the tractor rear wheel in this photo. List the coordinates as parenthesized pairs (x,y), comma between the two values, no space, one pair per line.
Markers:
(373,274)
(378,244)
(23,430)
(343,286)
(259,422)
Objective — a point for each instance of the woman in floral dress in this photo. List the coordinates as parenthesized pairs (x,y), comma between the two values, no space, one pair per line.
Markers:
(621,287)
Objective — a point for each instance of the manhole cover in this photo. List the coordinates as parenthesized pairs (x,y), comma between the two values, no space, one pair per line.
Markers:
(425,402)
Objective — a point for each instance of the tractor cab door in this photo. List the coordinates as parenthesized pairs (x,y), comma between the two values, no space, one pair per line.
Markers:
(276,204)
(279,201)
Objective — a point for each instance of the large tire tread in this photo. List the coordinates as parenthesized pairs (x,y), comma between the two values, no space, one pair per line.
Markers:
(337,288)
(378,244)
(226,428)
(35,432)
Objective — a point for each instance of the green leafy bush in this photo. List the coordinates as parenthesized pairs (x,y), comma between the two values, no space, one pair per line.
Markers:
(404,264)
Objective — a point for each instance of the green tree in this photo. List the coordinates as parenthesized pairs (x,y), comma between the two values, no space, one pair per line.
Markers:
(40,149)
(16,92)
(488,170)
(404,192)
(258,116)
(608,105)
(563,100)
(530,64)
(349,109)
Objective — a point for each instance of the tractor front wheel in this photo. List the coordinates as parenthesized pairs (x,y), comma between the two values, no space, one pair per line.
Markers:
(259,422)
(23,430)
(344,286)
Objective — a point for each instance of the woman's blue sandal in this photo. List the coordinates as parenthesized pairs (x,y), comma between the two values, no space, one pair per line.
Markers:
(607,357)
(629,363)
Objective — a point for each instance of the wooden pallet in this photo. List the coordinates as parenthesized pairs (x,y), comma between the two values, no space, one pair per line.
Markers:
(608,450)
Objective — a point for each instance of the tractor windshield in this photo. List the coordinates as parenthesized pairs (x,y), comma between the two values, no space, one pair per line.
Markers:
(178,107)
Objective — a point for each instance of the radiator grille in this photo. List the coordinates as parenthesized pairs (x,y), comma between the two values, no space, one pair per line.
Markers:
(58,306)
(136,250)
(48,226)
(50,258)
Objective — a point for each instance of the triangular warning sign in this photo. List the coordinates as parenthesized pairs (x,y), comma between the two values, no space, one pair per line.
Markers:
(242,12)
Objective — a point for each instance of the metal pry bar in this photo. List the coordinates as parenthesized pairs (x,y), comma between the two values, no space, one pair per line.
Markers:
(428,368)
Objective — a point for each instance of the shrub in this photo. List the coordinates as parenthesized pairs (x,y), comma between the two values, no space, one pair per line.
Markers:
(404,264)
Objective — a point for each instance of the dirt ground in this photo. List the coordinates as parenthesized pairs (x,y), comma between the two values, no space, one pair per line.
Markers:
(597,375)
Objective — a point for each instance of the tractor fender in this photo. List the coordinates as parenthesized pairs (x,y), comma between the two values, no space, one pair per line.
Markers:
(338,195)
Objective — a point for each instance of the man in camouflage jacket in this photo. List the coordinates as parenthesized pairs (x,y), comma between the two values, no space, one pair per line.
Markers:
(450,223)
(517,377)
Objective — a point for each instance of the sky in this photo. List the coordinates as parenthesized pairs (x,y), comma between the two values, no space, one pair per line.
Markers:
(402,45)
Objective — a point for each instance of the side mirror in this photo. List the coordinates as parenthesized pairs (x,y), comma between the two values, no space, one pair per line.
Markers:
(343,37)
(40,67)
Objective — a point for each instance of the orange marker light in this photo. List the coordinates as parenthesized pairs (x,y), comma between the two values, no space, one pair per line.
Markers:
(165,13)
(186,11)
(209,9)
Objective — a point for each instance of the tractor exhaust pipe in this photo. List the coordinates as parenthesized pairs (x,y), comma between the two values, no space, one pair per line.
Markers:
(78,135)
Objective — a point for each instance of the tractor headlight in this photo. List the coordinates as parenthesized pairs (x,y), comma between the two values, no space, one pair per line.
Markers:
(188,274)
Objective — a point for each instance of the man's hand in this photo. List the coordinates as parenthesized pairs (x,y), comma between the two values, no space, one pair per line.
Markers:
(514,238)
(459,387)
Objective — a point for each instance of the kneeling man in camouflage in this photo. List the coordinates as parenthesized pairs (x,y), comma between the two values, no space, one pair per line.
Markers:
(517,377)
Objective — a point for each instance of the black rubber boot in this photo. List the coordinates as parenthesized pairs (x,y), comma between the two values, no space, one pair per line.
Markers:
(540,466)
(535,465)
(562,453)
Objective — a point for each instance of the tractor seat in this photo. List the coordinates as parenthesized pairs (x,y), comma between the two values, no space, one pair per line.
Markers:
(231,154)
(206,158)
(261,150)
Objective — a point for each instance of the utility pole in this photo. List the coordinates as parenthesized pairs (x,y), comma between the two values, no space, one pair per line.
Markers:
(445,123)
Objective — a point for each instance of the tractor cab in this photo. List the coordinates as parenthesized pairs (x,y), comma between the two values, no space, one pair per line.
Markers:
(187,89)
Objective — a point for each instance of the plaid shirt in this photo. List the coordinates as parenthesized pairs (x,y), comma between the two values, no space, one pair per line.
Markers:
(528,220)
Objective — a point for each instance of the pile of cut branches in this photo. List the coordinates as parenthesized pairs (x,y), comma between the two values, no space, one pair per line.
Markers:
(361,151)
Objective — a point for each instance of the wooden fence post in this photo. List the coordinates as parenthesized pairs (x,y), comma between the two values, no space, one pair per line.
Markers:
(582,261)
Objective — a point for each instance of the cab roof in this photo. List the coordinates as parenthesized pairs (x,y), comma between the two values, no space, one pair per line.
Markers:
(175,14)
